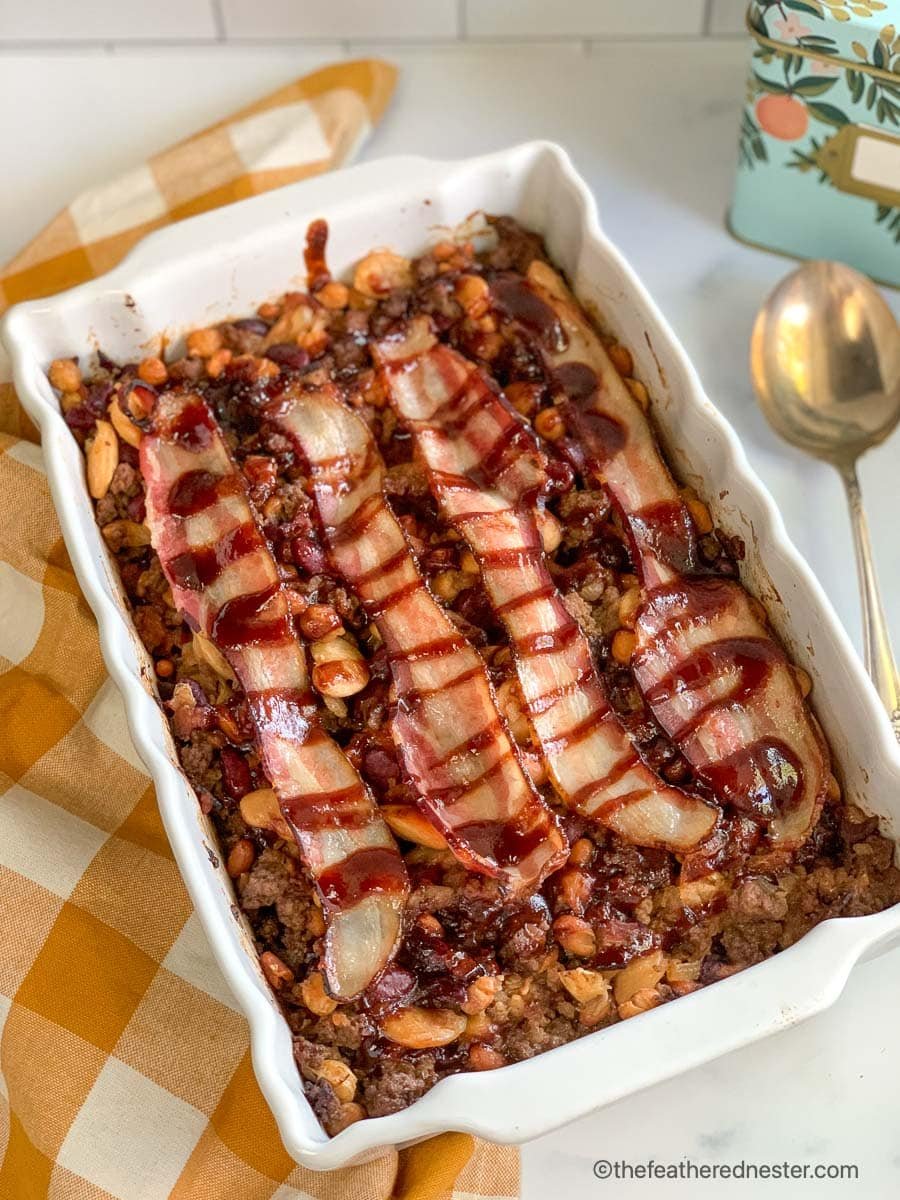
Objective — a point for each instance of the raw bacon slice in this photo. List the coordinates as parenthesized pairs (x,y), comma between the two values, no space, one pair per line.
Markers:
(447,730)
(710,671)
(226,584)
(486,471)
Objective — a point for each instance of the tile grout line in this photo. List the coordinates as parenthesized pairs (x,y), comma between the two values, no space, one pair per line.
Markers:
(707,18)
(483,41)
(462,23)
(219,20)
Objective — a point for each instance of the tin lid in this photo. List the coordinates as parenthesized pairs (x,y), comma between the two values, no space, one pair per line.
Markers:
(864,33)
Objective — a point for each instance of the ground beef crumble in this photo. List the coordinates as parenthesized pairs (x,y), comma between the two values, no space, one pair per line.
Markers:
(619,929)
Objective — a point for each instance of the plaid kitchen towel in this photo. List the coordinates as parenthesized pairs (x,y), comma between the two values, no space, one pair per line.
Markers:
(124,1063)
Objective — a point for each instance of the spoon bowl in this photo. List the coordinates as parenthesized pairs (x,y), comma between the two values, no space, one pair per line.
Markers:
(825,360)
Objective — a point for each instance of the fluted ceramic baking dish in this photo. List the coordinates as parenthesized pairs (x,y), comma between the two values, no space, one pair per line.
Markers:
(227,262)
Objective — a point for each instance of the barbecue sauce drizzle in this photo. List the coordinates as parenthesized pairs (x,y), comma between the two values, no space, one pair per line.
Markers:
(756,772)
(487,473)
(661,532)
(521,843)
(254,631)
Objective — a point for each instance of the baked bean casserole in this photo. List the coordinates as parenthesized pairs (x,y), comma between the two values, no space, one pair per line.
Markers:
(499,749)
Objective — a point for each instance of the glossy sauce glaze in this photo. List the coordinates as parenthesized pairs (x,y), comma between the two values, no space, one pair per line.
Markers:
(226,585)
(506,977)
(710,671)
(725,691)
(487,473)
(317,271)
(614,445)
(455,748)
(202,566)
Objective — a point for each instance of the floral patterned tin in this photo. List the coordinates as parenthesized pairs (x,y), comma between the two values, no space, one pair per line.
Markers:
(819,148)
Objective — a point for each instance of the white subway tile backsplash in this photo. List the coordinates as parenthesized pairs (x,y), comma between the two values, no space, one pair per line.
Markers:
(727,16)
(389,19)
(106,20)
(582,18)
(396,22)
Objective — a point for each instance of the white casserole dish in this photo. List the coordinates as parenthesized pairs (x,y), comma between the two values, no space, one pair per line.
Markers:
(225,263)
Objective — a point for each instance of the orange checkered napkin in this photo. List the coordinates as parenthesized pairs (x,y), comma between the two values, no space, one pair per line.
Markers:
(124,1063)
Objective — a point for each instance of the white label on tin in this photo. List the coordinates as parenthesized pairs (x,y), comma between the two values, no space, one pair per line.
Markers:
(876,161)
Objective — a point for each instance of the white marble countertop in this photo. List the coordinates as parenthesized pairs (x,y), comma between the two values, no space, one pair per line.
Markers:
(652,127)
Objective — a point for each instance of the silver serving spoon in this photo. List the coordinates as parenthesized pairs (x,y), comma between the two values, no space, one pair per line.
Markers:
(825,361)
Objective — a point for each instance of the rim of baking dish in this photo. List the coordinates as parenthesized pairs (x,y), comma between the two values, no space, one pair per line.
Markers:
(580,1076)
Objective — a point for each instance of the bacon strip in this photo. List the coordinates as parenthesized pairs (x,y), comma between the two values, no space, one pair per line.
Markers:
(486,472)
(621,449)
(710,671)
(724,691)
(452,741)
(226,584)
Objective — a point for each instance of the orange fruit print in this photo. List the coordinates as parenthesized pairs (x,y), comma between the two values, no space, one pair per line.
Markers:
(783,117)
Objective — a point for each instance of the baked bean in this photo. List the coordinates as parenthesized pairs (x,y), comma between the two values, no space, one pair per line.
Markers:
(623,646)
(153,371)
(339,1076)
(278,973)
(65,375)
(314,996)
(423,1028)
(484,1058)
(333,295)
(639,392)
(408,823)
(340,678)
(621,359)
(203,343)
(701,516)
(318,621)
(240,858)
(549,424)
(575,936)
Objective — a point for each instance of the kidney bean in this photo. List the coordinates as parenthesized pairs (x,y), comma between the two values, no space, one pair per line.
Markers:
(613,553)
(98,397)
(80,418)
(560,477)
(380,767)
(525,932)
(309,556)
(235,773)
(431,954)
(287,355)
(188,369)
(442,991)
(252,325)
(394,987)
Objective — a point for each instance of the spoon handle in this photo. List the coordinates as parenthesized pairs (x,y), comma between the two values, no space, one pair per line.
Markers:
(879,657)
